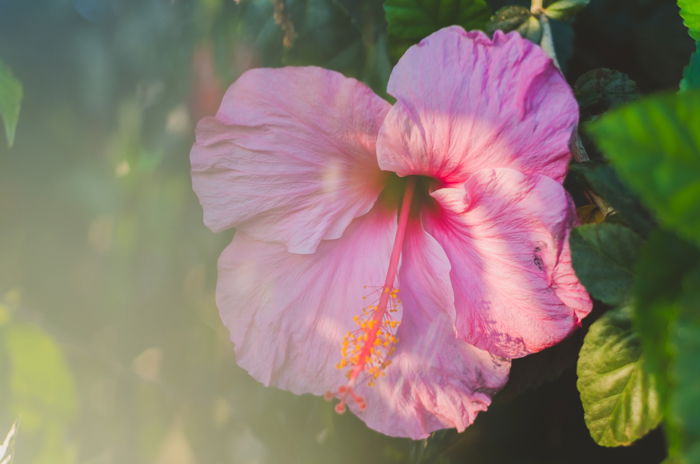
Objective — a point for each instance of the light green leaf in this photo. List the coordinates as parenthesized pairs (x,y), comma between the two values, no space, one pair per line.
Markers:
(55,448)
(654,144)
(663,261)
(10,101)
(691,73)
(41,392)
(604,256)
(565,9)
(408,21)
(667,296)
(620,400)
(684,394)
(40,383)
(516,18)
(690,11)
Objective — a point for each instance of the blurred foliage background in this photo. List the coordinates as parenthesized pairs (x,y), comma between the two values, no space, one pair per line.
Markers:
(111,350)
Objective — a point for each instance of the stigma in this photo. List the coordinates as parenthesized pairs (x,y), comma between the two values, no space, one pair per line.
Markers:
(366,350)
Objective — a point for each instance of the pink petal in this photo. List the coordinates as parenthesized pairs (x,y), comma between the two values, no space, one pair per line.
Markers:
(435,381)
(466,102)
(288,313)
(506,234)
(290,156)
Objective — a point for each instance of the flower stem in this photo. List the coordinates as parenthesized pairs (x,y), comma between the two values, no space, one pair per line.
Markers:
(547,44)
(536,7)
(547,41)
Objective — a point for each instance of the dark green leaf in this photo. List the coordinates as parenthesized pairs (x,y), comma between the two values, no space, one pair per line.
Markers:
(601,89)
(691,73)
(654,144)
(620,400)
(324,33)
(604,256)
(346,36)
(690,11)
(537,369)
(10,101)
(604,181)
(409,21)
(563,38)
(565,9)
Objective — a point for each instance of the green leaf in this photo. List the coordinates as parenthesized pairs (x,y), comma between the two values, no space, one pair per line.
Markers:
(508,18)
(408,21)
(684,374)
(691,73)
(516,18)
(667,295)
(654,144)
(690,11)
(604,256)
(604,181)
(10,101)
(601,89)
(41,391)
(663,262)
(41,385)
(325,35)
(620,400)
(565,9)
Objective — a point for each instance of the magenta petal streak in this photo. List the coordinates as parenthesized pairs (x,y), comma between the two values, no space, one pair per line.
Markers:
(465,102)
(409,311)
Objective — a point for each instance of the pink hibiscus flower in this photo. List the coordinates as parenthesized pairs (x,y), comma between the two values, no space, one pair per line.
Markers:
(417,247)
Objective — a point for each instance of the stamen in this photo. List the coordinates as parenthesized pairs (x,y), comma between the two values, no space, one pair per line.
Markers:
(366,349)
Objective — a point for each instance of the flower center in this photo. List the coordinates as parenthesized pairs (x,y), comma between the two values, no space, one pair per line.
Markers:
(366,350)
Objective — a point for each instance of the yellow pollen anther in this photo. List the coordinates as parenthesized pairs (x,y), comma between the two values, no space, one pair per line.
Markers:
(367,348)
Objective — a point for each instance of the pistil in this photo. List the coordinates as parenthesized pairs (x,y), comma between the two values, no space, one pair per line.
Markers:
(366,349)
